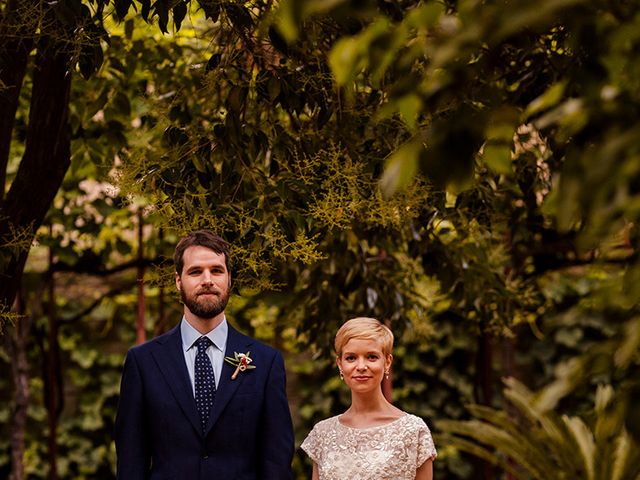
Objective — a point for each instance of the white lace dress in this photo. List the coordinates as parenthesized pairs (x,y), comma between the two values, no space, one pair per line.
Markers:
(393,451)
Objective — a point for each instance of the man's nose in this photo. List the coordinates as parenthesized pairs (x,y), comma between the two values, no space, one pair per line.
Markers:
(207,278)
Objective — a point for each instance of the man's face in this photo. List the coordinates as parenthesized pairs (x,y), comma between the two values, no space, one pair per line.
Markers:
(204,283)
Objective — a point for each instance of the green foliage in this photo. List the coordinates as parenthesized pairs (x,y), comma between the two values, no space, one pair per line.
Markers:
(457,168)
(558,204)
(540,444)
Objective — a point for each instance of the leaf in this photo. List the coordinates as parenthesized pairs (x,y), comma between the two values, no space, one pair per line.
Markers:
(121,104)
(122,8)
(409,107)
(239,16)
(175,136)
(273,87)
(498,157)
(90,59)
(161,8)
(213,62)
(401,168)
(277,40)
(146,8)
(584,439)
(288,19)
(179,12)
(349,55)
(630,346)
(344,60)
(236,98)
(550,98)
(211,9)
(426,15)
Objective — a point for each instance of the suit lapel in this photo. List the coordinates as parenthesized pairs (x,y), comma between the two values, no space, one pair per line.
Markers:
(170,359)
(236,342)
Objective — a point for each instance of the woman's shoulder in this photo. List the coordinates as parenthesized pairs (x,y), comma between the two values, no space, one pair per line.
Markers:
(326,424)
(413,421)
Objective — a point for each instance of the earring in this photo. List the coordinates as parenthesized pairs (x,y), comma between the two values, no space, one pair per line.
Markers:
(341,374)
(386,374)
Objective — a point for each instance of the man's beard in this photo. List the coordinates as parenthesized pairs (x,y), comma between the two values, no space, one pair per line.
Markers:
(205,307)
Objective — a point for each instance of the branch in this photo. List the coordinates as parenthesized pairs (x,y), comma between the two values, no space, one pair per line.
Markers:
(97,269)
(88,309)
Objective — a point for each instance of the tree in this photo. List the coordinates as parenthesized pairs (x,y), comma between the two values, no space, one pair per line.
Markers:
(61,34)
(48,44)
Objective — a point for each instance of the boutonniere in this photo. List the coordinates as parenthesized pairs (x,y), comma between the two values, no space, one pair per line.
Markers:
(241,361)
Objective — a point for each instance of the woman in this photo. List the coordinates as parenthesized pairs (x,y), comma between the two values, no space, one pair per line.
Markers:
(372,439)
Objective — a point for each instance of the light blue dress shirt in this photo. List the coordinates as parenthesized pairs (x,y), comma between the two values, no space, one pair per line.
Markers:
(218,337)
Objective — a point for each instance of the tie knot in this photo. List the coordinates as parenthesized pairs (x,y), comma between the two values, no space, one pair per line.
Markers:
(202,343)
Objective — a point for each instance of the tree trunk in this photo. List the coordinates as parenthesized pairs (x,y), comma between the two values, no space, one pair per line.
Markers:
(509,370)
(43,166)
(17,346)
(483,391)
(17,26)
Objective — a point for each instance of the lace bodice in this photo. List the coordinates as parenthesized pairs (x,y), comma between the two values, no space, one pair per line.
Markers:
(388,452)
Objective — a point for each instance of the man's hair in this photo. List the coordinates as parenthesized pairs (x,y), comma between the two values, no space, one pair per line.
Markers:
(366,329)
(201,238)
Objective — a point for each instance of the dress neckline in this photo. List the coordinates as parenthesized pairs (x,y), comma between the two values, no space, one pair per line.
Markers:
(404,415)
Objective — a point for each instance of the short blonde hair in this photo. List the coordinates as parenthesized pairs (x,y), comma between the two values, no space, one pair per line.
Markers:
(367,329)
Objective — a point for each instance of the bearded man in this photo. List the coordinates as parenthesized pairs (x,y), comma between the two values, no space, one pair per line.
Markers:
(203,401)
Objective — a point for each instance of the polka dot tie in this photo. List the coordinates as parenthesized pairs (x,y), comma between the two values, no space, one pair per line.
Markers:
(205,381)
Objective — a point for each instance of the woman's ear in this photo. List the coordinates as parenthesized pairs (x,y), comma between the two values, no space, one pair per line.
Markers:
(388,361)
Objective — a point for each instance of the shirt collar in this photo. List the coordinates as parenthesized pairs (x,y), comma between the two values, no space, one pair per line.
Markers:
(218,335)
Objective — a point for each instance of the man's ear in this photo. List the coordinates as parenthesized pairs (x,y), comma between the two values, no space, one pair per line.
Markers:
(178,283)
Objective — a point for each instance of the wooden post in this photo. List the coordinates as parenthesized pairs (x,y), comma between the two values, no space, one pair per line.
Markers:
(140,334)
(161,324)
(53,380)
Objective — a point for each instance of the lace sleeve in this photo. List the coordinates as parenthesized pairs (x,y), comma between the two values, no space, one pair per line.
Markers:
(311,445)
(426,447)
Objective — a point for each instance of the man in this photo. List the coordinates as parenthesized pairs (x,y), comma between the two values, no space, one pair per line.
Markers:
(187,413)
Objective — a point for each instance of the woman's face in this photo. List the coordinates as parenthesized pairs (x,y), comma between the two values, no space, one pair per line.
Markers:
(363,364)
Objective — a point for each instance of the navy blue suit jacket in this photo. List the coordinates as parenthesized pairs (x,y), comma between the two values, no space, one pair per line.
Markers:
(158,435)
